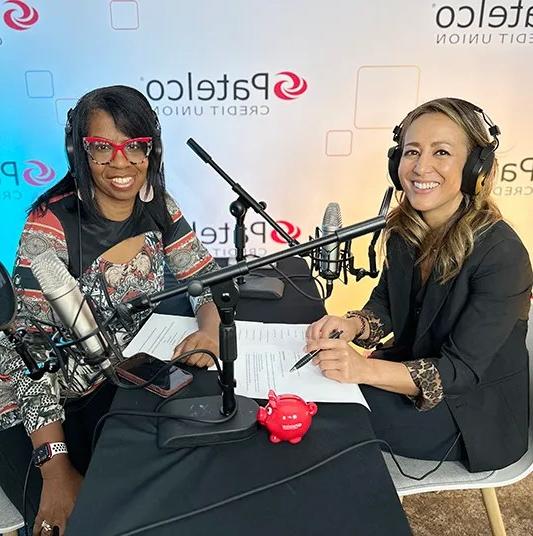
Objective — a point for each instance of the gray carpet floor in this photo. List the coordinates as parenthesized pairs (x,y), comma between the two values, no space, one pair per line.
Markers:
(462,513)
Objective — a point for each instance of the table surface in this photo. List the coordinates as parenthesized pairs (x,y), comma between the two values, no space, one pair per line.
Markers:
(324,484)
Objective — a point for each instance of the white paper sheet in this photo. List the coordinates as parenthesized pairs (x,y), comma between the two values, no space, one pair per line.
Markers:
(160,334)
(266,354)
(287,336)
(257,371)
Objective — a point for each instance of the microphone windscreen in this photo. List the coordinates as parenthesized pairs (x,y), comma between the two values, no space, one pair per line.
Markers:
(51,273)
(332,216)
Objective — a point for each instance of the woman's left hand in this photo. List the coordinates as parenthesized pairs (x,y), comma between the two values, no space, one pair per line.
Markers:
(199,339)
(339,361)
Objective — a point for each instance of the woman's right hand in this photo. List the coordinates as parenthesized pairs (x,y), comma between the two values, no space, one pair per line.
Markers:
(321,329)
(58,496)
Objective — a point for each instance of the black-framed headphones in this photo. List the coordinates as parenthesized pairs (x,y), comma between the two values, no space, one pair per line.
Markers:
(157,146)
(477,165)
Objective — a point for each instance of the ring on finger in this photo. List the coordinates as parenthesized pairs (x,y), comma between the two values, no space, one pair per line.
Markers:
(46,527)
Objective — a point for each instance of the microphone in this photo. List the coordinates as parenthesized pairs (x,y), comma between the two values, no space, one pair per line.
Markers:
(34,370)
(8,298)
(329,266)
(334,261)
(67,301)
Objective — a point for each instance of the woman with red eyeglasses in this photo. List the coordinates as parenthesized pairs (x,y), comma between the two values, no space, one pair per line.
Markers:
(117,229)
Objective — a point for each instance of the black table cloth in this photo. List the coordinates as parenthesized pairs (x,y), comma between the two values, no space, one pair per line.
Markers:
(325,484)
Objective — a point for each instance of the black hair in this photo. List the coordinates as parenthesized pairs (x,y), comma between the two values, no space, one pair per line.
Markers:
(133,116)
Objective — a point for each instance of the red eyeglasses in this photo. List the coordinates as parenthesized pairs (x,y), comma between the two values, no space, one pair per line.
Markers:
(102,151)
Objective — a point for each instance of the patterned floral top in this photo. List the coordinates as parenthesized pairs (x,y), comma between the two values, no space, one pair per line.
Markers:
(38,403)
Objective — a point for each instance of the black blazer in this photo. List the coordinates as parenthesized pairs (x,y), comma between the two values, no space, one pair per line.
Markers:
(474,329)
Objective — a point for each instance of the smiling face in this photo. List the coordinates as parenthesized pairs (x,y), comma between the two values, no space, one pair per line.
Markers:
(115,184)
(434,153)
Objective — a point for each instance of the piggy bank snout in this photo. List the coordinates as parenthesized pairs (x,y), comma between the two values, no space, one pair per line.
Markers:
(261,415)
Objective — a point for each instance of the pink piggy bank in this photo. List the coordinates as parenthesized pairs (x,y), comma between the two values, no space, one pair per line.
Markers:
(287,417)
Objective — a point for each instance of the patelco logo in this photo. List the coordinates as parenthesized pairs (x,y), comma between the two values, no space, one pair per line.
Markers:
(21,17)
(227,95)
(297,87)
(44,176)
(292,230)
(219,239)
(484,22)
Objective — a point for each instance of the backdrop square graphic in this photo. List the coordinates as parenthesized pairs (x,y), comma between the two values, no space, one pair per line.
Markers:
(62,107)
(124,14)
(384,94)
(339,142)
(39,84)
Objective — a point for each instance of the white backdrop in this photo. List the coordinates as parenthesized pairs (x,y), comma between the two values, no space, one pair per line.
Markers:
(295,99)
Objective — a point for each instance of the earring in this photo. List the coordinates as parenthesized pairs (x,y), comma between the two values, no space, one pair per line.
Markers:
(146,193)
(78,193)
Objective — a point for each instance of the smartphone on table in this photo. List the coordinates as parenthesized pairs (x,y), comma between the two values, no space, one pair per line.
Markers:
(142,367)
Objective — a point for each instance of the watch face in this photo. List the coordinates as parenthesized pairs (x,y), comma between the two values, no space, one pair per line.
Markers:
(41,454)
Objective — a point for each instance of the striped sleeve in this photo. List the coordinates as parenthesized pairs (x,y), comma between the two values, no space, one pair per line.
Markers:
(36,402)
(186,256)
(40,233)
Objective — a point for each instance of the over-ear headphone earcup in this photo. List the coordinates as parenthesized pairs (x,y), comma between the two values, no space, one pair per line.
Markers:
(477,165)
(69,144)
(395,155)
(157,146)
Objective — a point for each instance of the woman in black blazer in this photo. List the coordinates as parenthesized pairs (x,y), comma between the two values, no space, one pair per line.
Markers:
(455,292)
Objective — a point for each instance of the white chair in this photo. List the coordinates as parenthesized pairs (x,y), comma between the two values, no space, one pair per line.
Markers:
(453,475)
(10,518)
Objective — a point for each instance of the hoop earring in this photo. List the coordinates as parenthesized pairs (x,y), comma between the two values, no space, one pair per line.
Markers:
(78,193)
(146,193)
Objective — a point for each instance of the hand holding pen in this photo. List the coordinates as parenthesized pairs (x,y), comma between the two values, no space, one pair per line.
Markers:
(335,334)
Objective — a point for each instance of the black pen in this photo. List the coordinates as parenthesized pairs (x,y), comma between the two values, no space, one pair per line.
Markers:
(307,357)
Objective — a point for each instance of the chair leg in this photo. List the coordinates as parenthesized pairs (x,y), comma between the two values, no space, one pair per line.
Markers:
(493,511)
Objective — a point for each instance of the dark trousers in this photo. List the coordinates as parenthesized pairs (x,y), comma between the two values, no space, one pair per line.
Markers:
(16,449)
(425,435)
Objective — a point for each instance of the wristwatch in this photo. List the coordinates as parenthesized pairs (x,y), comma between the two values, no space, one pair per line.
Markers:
(46,451)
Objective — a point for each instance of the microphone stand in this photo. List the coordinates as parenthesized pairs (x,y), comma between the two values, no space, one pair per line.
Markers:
(253,286)
(240,412)
(373,271)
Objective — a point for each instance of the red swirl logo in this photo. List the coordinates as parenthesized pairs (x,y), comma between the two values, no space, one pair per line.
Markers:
(292,230)
(44,176)
(22,17)
(291,87)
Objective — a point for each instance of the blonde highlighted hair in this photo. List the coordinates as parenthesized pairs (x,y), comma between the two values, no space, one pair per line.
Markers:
(446,248)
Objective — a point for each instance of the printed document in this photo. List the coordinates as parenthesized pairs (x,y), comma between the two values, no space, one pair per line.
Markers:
(266,353)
